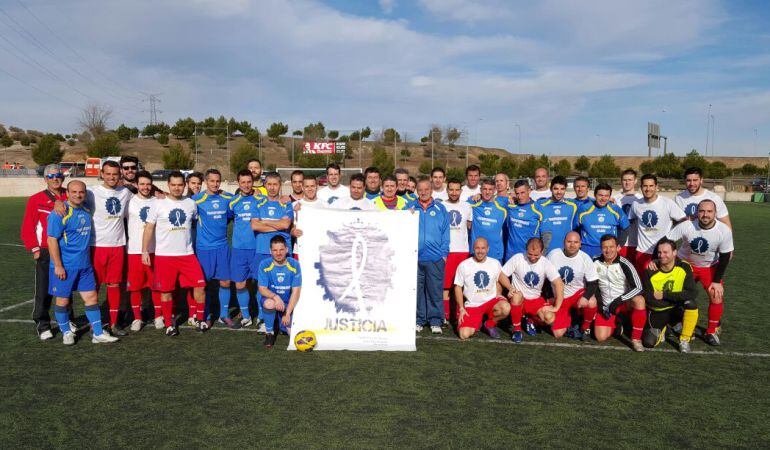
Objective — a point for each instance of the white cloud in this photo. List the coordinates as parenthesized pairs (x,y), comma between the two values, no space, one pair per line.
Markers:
(387,6)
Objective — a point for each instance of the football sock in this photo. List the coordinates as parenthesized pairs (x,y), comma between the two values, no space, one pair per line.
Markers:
(168,312)
(136,304)
(638,319)
(94,315)
(516,313)
(243,302)
(113,300)
(689,321)
(224,302)
(446,308)
(192,305)
(269,318)
(200,312)
(156,304)
(62,318)
(260,314)
(715,315)
(588,316)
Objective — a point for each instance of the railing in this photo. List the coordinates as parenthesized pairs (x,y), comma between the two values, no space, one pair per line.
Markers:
(18,173)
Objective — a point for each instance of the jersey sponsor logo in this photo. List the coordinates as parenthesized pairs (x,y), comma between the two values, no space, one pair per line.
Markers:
(531,279)
(143,213)
(113,206)
(177,217)
(567,274)
(626,208)
(691,210)
(481,279)
(332,199)
(455,218)
(699,245)
(668,286)
(649,219)
(355,208)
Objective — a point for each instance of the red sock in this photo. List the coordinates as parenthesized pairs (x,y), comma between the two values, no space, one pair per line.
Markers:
(588,316)
(113,300)
(516,312)
(156,303)
(638,319)
(136,304)
(200,313)
(490,323)
(715,315)
(168,312)
(192,305)
(446,308)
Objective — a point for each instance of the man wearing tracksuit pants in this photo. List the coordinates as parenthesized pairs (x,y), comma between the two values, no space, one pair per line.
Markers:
(433,249)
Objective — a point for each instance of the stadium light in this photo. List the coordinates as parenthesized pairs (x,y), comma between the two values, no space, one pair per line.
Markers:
(519,128)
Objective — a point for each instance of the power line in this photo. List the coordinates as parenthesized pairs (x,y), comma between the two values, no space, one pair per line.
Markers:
(38,89)
(154,100)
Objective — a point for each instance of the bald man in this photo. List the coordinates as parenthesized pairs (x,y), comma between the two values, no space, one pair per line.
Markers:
(541,184)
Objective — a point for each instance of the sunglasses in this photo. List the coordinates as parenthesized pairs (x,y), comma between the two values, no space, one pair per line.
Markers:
(51,176)
(129,167)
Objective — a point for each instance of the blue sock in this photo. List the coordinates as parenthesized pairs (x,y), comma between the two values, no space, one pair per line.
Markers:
(269,317)
(224,302)
(62,317)
(261,314)
(243,302)
(94,315)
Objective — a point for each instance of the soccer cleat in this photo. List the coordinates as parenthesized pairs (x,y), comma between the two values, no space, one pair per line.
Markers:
(586,335)
(115,330)
(202,326)
(172,331)
(517,337)
(261,328)
(418,328)
(68,338)
(575,333)
(159,324)
(104,338)
(712,339)
(73,327)
(46,335)
(269,340)
(684,346)
(493,332)
(530,328)
(137,325)
(245,323)
(191,321)
(436,329)
(636,344)
(229,323)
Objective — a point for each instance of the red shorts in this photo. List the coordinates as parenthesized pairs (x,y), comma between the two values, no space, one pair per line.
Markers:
(169,269)
(108,264)
(600,321)
(641,261)
(139,275)
(532,306)
(705,275)
(628,252)
(476,314)
(450,268)
(563,318)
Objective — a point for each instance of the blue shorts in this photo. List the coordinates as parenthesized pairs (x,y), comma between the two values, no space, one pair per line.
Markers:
(215,263)
(592,251)
(81,280)
(258,258)
(241,264)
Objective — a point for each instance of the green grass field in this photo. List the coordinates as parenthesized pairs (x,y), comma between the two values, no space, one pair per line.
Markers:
(222,389)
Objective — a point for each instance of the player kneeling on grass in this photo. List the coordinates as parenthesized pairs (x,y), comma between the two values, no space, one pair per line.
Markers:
(69,238)
(476,279)
(528,274)
(280,281)
(669,293)
(619,292)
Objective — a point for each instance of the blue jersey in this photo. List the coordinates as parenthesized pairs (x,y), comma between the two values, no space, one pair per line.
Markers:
(583,204)
(594,222)
(213,216)
(280,279)
(558,219)
(243,208)
(488,222)
(272,210)
(372,196)
(523,224)
(73,231)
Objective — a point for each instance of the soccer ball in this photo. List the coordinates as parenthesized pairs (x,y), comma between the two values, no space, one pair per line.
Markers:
(305,341)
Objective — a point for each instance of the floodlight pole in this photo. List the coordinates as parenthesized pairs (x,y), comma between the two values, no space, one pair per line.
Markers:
(431,148)
(519,128)
(360,147)
(708,125)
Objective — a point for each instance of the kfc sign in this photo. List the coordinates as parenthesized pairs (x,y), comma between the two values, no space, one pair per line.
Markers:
(323,148)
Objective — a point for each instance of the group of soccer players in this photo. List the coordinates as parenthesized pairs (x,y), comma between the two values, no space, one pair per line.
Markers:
(602,257)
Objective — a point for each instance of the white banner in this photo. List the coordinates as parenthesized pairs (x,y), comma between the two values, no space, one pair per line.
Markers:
(359,279)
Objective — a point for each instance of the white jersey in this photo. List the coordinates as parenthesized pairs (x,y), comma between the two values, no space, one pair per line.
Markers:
(478,280)
(527,277)
(138,211)
(109,207)
(330,196)
(616,280)
(627,237)
(306,204)
(536,195)
(363,204)
(574,271)
(700,247)
(173,221)
(653,220)
(460,214)
(689,203)
(467,192)
(440,195)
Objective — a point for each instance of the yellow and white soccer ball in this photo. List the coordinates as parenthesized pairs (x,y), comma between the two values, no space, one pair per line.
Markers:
(305,341)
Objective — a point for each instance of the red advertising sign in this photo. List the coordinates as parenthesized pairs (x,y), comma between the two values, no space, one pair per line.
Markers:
(323,148)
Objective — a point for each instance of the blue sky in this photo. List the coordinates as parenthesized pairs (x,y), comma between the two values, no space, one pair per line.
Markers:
(577,77)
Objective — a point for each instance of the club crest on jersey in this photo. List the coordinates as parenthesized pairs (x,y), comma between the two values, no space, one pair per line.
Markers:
(699,245)
(112,205)
(215,204)
(481,279)
(246,206)
(649,219)
(177,217)
(143,213)
(455,218)
(432,213)
(521,213)
(567,274)
(557,210)
(600,219)
(280,277)
(531,279)
(487,211)
(271,212)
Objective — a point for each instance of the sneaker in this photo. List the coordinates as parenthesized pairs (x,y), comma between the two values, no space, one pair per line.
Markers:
(229,323)
(436,329)
(104,338)
(172,331)
(68,338)
(115,330)
(269,340)
(202,326)
(530,328)
(245,323)
(46,335)
(261,328)
(159,323)
(192,322)
(418,328)
(636,344)
(684,346)
(493,332)
(712,339)
(574,332)
(586,335)
(73,327)
(517,337)
(137,325)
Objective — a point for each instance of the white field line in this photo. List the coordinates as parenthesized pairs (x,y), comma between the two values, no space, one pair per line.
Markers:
(8,308)
(11,245)
(504,342)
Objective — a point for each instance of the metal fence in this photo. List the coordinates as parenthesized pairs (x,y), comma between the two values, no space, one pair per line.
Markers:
(18,173)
